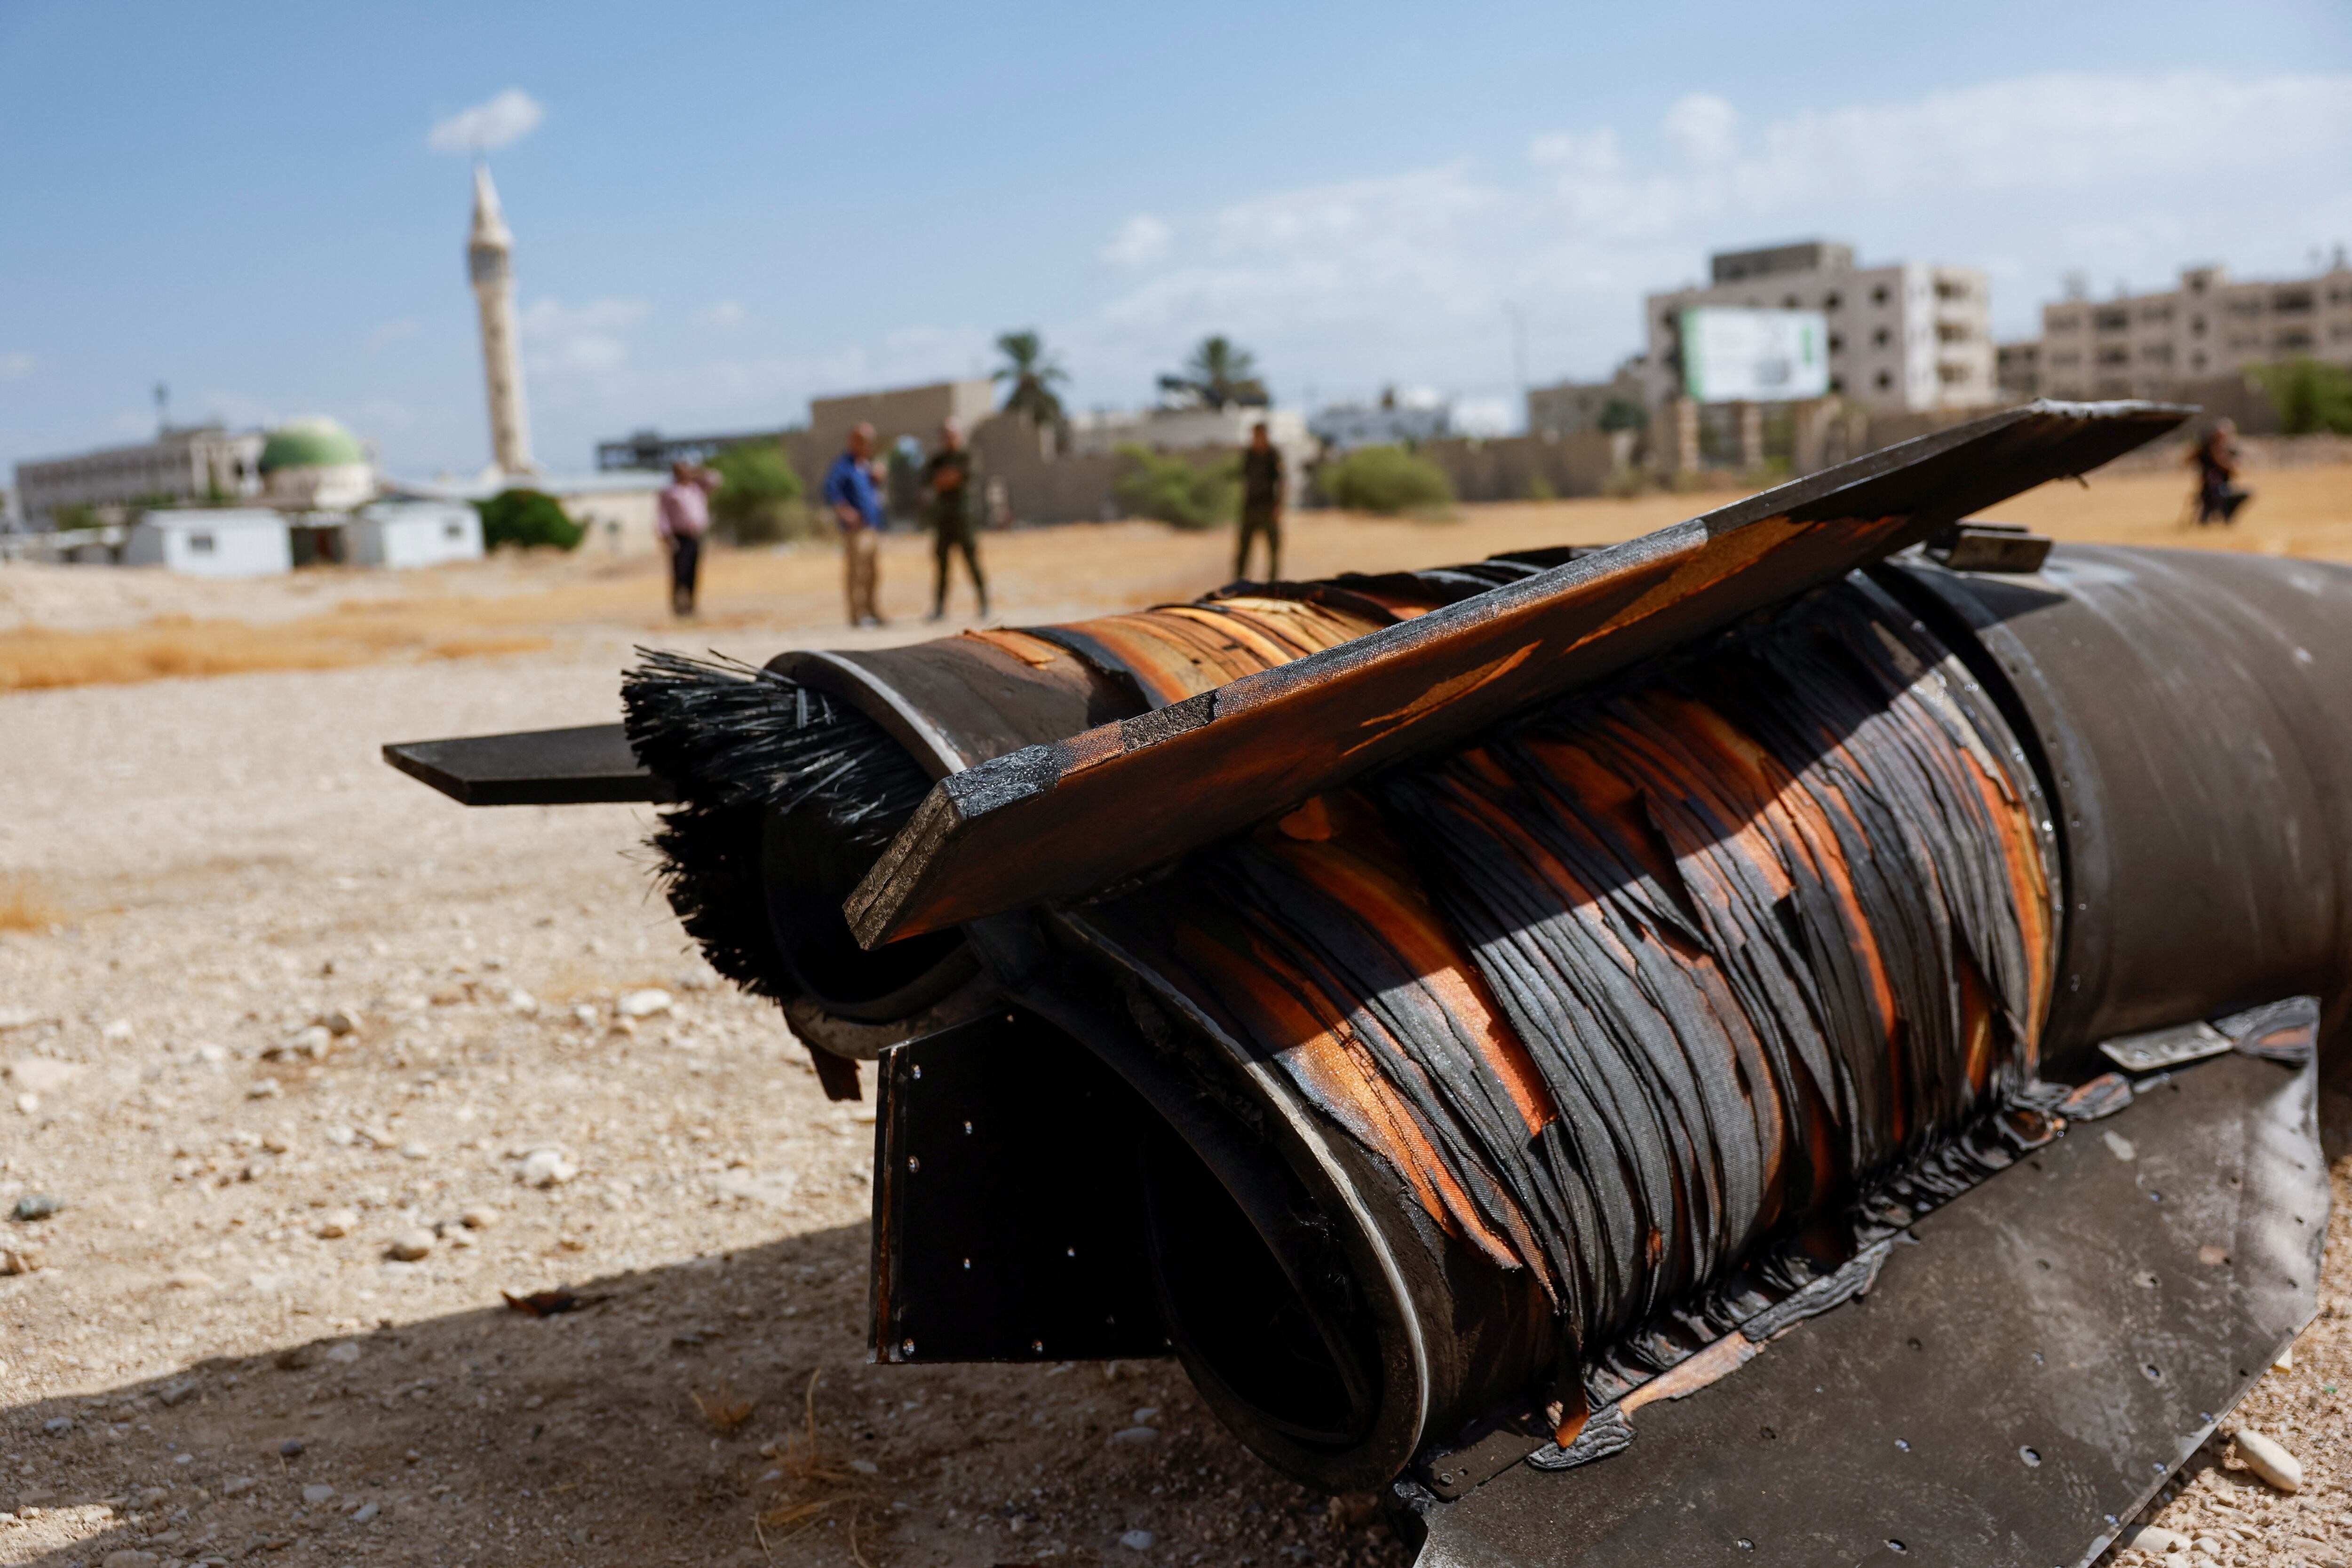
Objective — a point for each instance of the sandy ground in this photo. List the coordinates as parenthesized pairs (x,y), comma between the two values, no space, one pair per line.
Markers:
(219,1356)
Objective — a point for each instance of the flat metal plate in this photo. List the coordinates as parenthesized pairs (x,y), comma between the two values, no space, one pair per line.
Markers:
(534,768)
(2017,1383)
(2158,1049)
(1008,1200)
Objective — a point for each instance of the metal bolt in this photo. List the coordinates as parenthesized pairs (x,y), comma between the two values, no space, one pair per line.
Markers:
(1037,1346)
(913,1164)
(906,1347)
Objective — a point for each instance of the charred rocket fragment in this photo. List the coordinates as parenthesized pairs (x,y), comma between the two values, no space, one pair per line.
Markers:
(1492,1021)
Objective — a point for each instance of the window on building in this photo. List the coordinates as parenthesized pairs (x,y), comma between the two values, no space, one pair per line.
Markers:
(1881,337)
(2197,326)
(1878,294)
(2115,356)
(1788,303)
(1837,344)
(1830,300)
(2111,322)
(2290,301)
(200,544)
(1837,383)
(1884,381)
(453,530)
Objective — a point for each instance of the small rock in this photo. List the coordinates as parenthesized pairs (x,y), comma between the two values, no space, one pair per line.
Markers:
(642,1004)
(265,1089)
(291,1448)
(412,1244)
(1139,1540)
(179,1393)
(15,1261)
(43,1074)
(545,1168)
(1135,1436)
(1147,1414)
(28,1103)
(365,1513)
(340,1021)
(272,1144)
(342,1137)
(314,1042)
(338,1223)
(211,1053)
(523,1002)
(2151,1538)
(58,1425)
(36,1206)
(481,1217)
(866,1467)
(128,1558)
(2267,1459)
(346,1351)
(190,1280)
(237,1486)
(584,1016)
(2286,1362)
(414,1152)
(317,1492)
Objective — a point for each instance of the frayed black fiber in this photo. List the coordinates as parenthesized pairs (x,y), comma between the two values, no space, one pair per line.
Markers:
(738,742)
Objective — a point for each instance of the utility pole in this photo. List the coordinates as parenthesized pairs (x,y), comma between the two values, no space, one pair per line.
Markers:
(1519,351)
(162,409)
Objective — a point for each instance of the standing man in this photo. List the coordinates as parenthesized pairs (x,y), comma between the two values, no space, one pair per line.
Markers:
(950,477)
(1261,503)
(681,517)
(857,508)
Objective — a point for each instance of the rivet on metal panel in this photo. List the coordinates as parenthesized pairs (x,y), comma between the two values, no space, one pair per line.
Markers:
(906,1347)
(1899,1442)
(913,1164)
(967,1129)
(1038,1345)
(1071,1252)
(2033,1459)
(967,1262)
(918,1070)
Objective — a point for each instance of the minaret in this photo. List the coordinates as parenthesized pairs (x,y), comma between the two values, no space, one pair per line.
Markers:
(489,258)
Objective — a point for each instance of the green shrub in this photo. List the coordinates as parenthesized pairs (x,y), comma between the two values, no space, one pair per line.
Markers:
(1175,491)
(1386,480)
(2309,396)
(760,502)
(527,517)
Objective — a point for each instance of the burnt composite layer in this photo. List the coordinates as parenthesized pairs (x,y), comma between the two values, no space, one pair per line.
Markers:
(1350,1327)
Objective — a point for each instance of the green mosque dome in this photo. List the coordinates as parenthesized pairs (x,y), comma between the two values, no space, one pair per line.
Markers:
(311,443)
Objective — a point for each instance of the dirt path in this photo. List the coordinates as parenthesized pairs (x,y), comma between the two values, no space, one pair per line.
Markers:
(203,870)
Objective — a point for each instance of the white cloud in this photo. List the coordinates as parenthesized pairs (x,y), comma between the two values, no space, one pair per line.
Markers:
(1405,274)
(495,123)
(1703,127)
(1140,241)
(388,334)
(15,366)
(587,341)
(726,314)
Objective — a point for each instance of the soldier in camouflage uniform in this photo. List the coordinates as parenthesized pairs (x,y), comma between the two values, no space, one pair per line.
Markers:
(952,479)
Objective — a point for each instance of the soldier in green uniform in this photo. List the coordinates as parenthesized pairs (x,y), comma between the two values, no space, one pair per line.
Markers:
(1261,503)
(952,479)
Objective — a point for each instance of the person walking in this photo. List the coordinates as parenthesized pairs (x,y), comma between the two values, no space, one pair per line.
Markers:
(2219,494)
(857,506)
(681,519)
(1261,503)
(951,479)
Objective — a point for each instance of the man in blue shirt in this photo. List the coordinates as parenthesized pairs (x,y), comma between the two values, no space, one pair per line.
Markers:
(857,508)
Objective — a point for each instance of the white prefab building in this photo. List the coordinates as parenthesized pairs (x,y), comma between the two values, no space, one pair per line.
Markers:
(414,533)
(224,543)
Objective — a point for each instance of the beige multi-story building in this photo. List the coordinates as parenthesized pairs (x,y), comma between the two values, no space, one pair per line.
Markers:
(185,462)
(2143,345)
(1905,336)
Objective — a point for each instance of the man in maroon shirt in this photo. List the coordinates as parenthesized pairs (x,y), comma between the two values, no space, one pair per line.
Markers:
(681,516)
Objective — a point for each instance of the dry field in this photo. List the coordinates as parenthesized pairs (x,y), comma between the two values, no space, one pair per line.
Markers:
(221,1356)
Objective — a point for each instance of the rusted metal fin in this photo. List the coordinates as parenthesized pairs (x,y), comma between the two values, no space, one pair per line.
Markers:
(1063,820)
(535,767)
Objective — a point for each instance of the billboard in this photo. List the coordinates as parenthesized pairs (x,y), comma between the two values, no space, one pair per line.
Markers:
(1754,356)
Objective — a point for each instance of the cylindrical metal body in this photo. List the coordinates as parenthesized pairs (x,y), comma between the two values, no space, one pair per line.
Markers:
(2182,731)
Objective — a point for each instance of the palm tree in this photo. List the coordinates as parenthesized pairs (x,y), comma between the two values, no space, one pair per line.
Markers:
(1032,375)
(1218,375)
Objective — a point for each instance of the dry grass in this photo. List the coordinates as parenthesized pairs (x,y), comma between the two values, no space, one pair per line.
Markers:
(1044,574)
(25,905)
(818,1486)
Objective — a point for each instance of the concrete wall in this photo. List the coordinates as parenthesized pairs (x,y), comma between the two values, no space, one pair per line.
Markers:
(412,534)
(918,412)
(1507,469)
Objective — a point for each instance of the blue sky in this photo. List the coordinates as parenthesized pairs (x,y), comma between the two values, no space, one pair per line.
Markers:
(724,210)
